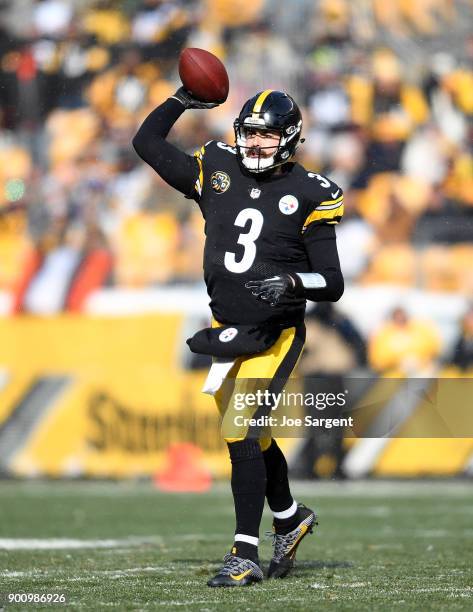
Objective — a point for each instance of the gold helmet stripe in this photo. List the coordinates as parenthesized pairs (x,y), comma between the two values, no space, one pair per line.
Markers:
(261,98)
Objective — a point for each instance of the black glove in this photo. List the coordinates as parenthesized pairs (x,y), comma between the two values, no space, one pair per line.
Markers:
(273,289)
(189,101)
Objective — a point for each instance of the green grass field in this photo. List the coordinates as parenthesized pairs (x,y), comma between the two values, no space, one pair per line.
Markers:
(379,546)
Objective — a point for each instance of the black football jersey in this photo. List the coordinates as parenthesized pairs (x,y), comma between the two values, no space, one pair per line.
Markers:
(255,229)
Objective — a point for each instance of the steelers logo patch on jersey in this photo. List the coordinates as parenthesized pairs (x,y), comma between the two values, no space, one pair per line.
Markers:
(220,181)
(288,204)
(228,334)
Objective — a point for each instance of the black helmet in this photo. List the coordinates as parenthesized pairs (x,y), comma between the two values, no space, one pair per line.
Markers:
(268,110)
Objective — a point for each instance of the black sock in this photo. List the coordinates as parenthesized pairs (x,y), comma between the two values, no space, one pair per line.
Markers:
(245,550)
(278,493)
(248,488)
(284,526)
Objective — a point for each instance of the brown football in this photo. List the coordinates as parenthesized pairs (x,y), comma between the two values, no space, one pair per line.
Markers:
(203,75)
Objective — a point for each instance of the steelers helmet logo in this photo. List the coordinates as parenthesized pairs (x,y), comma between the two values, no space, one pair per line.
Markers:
(228,334)
(220,181)
(288,204)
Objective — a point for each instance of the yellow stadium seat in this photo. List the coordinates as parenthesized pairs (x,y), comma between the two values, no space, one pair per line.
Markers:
(159,91)
(146,249)
(444,268)
(101,91)
(460,84)
(232,13)
(394,264)
(71,132)
(373,202)
(425,16)
(189,259)
(15,163)
(462,262)
(436,272)
(412,193)
(459,182)
(109,25)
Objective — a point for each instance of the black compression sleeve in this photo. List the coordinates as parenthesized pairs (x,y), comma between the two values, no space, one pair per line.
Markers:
(321,246)
(173,165)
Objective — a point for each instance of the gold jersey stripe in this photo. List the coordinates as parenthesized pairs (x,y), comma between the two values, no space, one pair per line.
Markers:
(324,215)
(330,202)
(199,154)
(261,98)
(200,181)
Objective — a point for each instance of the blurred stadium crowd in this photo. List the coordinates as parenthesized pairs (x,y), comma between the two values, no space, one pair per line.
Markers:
(386,90)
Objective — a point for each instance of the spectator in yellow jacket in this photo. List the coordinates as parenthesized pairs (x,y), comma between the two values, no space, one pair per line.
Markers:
(404,345)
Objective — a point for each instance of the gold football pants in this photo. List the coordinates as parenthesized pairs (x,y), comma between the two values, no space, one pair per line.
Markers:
(268,370)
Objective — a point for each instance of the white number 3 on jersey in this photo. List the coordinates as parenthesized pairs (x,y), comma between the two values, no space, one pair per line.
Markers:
(245,239)
(322,180)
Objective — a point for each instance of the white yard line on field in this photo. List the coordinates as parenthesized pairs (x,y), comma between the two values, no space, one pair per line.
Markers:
(359,488)
(65,543)
(383,488)
(85,574)
(122,573)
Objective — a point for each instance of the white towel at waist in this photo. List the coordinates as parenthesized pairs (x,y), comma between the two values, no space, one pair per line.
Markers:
(217,373)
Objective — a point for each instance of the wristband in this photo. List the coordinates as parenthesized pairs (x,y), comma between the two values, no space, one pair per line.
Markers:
(312,280)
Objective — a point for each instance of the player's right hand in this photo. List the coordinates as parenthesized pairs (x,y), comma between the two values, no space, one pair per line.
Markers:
(272,289)
(189,101)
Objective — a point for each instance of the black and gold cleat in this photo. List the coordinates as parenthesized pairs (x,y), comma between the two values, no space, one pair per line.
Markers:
(285,545)
(236,572)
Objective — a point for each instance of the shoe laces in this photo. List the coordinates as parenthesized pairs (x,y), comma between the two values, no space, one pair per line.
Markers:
(282,543)
(233,564)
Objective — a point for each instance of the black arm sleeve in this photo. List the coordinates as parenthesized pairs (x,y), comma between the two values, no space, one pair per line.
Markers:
(173,165)
(321,246)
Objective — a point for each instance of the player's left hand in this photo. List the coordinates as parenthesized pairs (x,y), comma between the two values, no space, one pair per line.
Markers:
(273,289)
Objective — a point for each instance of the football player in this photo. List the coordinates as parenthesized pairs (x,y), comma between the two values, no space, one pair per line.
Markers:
(270,246)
